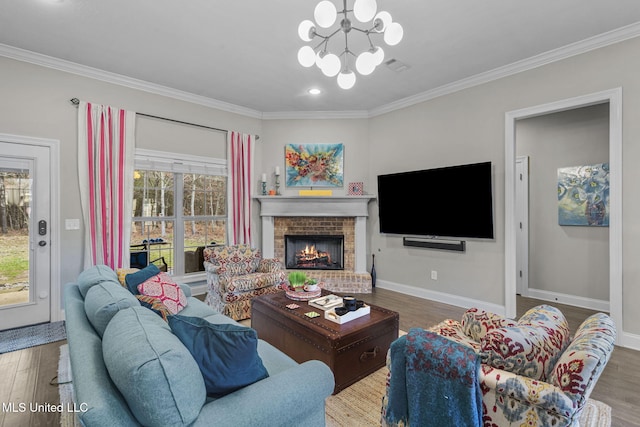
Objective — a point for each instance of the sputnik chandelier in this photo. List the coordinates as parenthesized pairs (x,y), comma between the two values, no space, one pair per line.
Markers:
(332,64)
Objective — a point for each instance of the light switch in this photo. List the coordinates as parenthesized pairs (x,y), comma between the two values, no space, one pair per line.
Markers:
(72,224)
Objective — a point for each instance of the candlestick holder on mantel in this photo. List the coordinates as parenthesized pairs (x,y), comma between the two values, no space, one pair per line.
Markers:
(264,188)
(277,175)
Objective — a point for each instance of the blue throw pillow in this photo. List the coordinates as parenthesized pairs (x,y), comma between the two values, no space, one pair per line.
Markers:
(226,354)
(134,279)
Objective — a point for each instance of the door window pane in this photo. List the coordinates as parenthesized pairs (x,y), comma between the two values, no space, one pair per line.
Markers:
(15,200)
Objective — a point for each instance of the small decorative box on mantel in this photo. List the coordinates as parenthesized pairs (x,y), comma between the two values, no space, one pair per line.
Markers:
(355,189)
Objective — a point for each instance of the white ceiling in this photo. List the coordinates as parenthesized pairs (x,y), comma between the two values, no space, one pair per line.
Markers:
(243,52)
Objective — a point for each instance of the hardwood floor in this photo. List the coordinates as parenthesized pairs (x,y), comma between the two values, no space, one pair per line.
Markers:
(25,374)
(24,380)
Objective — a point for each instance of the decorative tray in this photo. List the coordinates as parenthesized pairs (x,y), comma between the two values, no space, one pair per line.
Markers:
(303,295)
(327,302)
(352,315)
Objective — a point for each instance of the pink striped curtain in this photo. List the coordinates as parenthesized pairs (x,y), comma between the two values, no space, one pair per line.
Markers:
(105,162)
(240,160)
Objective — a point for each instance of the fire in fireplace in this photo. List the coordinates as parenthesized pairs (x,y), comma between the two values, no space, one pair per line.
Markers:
(314,252)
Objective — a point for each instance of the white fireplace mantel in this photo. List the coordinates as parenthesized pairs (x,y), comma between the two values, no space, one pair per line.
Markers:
(343,206)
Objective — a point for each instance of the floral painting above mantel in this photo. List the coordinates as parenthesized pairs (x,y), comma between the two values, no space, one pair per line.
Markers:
(314,165)
(583,195)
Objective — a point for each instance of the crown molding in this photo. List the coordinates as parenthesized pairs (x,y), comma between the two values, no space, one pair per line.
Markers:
(577,48)
(118,79)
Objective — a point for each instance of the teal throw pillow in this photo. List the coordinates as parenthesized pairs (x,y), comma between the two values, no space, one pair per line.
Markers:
(152,369)
(134,279)
(226,354)
(94,275)
(104,300)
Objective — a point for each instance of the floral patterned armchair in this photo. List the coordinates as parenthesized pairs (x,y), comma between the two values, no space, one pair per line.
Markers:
(532,372)
(235,275)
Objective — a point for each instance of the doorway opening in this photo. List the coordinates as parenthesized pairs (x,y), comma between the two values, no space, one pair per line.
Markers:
(614,99)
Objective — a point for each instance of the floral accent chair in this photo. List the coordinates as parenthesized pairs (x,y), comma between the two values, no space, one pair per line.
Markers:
(532,372)
(236,275)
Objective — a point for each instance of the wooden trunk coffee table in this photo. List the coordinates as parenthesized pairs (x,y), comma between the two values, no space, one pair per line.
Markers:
(352,350)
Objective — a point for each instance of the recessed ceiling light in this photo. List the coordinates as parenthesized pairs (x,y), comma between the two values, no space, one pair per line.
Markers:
(314,91)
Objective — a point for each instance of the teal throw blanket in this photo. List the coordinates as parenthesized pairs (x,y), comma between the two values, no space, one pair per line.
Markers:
(434,382)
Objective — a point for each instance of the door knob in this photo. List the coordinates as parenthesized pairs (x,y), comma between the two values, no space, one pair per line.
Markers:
(42,243)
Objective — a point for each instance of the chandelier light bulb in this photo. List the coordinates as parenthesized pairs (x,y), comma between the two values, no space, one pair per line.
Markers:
(346,79)
(393,34)
(306,56)
(330,65)
(385,20)
(364,10)
(304,30)
(325,14)
(365,63)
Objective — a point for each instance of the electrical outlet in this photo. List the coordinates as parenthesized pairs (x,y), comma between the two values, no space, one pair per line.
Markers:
(434,275)
(72,224)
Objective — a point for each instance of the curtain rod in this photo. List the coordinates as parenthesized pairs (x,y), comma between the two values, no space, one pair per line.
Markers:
(76,102)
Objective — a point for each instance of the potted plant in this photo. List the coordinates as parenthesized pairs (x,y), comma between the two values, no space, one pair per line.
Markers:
(297,280)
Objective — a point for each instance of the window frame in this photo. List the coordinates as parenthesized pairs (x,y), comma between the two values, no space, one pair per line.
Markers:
(182,164)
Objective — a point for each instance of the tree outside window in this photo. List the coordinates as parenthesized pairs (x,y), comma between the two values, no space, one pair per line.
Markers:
(177,213)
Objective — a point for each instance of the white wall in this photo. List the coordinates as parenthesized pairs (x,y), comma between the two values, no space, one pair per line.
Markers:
(563,259)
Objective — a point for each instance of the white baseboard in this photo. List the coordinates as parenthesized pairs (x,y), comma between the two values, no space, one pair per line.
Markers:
(442,297)
(628,340)
(625,339)
(578,301)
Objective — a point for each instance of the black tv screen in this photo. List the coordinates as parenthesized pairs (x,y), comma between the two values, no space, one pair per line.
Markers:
(453,201)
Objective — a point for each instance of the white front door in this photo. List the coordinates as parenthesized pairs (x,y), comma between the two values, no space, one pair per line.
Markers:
(25,254)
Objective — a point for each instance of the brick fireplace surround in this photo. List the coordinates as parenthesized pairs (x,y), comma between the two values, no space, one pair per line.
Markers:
(346,216)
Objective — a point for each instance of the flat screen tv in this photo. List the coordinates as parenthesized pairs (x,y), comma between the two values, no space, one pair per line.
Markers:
(454,201)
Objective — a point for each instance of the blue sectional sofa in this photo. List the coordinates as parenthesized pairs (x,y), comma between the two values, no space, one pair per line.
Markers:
(150,378)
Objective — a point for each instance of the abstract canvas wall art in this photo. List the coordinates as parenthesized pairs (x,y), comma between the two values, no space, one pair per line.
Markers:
(583,195)
(314,165)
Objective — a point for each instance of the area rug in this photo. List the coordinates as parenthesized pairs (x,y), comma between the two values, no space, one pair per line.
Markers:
(30,336)
(360,405)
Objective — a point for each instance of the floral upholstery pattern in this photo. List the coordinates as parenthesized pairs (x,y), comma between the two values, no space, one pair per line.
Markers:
(476,323)
(573,366)
(236,275)
(585,358)
(531,347)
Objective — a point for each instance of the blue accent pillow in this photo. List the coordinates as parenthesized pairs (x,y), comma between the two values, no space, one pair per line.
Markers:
(226,354)
(134,279)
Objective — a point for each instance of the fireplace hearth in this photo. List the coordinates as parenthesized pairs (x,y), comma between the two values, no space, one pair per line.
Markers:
(314,252)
